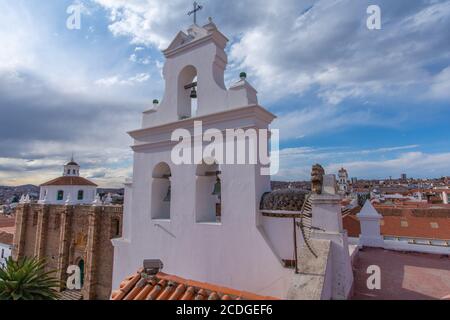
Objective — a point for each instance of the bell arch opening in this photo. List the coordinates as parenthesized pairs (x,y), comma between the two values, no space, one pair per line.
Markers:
(187,93)
(208,198)
(161,192)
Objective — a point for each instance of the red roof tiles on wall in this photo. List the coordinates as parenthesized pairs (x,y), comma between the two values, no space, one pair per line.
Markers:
(168,287)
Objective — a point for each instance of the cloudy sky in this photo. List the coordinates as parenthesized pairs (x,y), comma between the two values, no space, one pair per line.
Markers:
(374,101)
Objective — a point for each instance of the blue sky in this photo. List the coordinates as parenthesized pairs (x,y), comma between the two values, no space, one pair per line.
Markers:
(374,101)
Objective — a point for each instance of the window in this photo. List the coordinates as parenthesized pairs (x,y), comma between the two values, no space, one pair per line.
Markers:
(81,266)
(73,171)
(161,192)
(60,195)
(208,203)
(80,195)
(3,253)
(115,227)
(68,171)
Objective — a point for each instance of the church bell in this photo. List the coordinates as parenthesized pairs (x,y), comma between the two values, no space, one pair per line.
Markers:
(217,188)
(193,93)
(168,195)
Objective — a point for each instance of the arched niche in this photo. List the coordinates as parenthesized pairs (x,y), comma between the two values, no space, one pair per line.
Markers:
(208,206)
(187,106)
(161,192)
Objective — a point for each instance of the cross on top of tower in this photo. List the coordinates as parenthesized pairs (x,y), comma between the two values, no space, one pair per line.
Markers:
(197,7)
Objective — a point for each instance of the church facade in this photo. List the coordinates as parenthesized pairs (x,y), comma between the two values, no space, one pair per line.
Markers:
(71,235)
(70,226)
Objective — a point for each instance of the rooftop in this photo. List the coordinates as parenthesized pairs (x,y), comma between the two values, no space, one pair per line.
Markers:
(7,224)
(406,221)
(69,181)
(404,276)
(6,238)
(168,287)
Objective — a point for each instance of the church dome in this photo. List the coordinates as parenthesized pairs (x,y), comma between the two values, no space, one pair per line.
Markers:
(283,200)
(72,163)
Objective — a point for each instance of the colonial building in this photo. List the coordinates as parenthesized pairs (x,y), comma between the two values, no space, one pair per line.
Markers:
(70,226)
(70,188)
(71,235)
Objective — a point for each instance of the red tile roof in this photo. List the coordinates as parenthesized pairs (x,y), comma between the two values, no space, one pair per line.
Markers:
(429,223)
(168,287)
(69,181)
(6,238)
(7,221)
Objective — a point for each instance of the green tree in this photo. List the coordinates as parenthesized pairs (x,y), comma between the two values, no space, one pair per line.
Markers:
(27,279)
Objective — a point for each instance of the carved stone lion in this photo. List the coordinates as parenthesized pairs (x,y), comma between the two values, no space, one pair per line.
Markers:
(317,178)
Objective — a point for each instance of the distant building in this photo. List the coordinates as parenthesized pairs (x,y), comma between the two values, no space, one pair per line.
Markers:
(403,177)
(343,181)
(6,241)
(70,188)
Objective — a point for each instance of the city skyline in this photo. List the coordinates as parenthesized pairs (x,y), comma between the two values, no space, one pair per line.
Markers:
(372,101)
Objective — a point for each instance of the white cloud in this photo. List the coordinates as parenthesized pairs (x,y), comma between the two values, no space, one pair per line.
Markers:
(117,80)
(384,162)
(311,44)
(441,85)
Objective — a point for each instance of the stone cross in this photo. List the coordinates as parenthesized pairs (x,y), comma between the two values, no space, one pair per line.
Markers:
(197,8)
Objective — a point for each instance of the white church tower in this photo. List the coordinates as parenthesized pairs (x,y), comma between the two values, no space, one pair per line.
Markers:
(201,220)
(343,181)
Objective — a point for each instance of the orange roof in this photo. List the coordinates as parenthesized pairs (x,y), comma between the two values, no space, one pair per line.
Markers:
(429,223)
(6,238)
(6,221)
(69,181)
(168,287)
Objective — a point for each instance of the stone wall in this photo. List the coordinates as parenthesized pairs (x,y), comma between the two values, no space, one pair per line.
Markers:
(65,235)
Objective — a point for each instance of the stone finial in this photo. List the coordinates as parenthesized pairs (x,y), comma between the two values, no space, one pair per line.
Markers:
(27,199)
(108,199)
(22,199)
(43,201)
(317,174)
(97,202)
(369,220)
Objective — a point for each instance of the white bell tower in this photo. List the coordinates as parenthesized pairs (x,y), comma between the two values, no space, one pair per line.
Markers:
(198,218)
(71,169)
(196,62)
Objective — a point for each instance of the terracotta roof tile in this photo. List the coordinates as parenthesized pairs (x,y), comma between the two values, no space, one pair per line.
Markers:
(6,238)
(168,287)
(418,223)
(69,181)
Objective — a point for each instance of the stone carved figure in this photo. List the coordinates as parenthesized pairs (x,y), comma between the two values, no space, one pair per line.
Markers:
(317,174)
